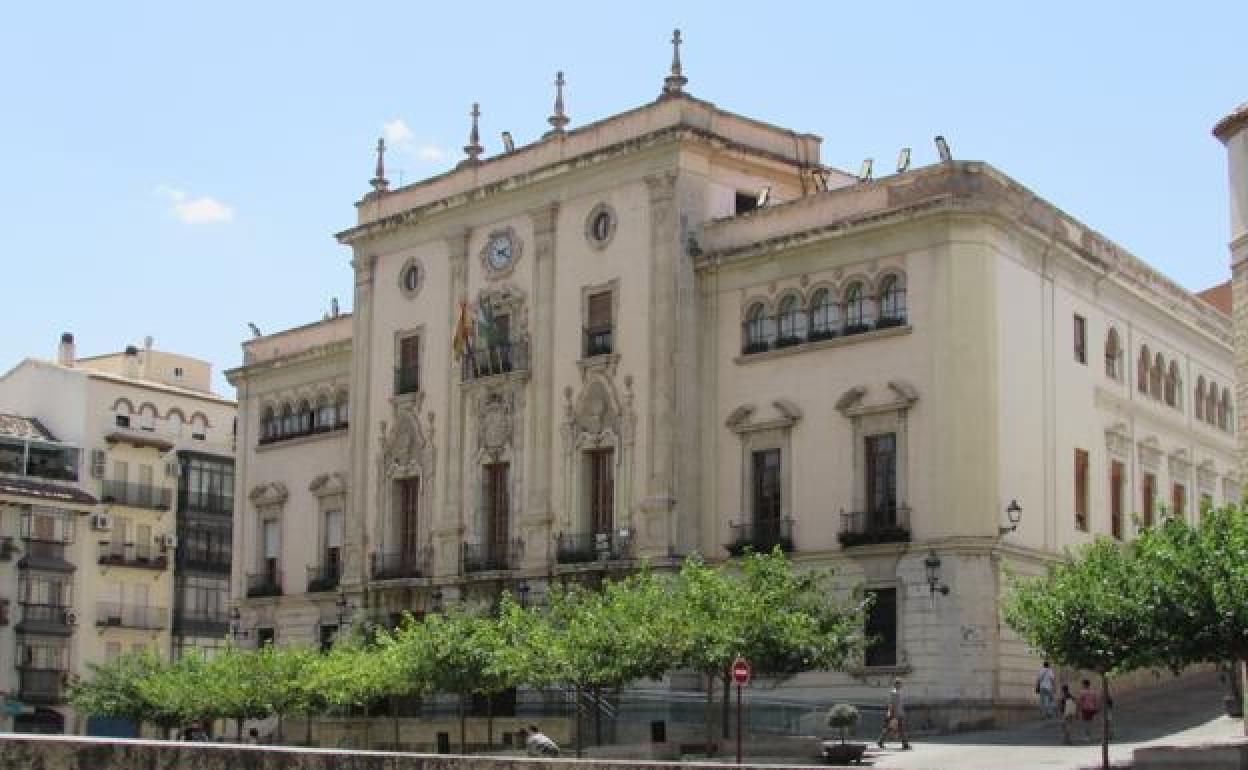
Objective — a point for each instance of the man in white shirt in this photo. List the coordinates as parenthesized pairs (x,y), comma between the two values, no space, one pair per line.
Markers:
(537,744)
(1044,688)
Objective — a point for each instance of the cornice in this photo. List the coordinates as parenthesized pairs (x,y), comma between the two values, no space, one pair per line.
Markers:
(304,357)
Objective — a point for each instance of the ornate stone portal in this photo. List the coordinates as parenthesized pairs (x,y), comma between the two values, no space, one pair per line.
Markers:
(407,451)
(598,417)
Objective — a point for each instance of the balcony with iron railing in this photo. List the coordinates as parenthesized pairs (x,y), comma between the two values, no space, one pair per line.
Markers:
(883,525)
(492,556)
(761,535)
(493,360)
(136,495)
(403,563)
(312,428)
(760,336)
(205,503)
(578,548)
(324,577)
(263,584)
(137,555)
(41,686)
(599,342)
(200,622)
(52,619)
(202,559)
(138,616)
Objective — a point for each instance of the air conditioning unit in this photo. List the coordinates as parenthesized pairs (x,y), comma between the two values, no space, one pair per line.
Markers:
(101,521)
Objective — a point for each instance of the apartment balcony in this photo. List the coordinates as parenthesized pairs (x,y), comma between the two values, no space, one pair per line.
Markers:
(761,536)
(41,686)
(406,381)
(204,560)
(142,617)
(8,547)
(136,495)
(761,341)
(588,548)
(599,342)
(46,619)
(886,525)
(200,622)
(405,563)
(492,557)
(137,555)
(198,503)
(494,360)
(324,577)
(263,584)
(45,555)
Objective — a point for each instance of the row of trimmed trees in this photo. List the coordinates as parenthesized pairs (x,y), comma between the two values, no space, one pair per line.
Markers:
(1175,596)
(586,642)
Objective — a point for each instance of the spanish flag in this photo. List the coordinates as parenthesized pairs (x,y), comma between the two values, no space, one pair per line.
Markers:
(463,331)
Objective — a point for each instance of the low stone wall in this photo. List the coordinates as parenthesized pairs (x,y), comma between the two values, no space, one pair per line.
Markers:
(1213,756)
(36,752)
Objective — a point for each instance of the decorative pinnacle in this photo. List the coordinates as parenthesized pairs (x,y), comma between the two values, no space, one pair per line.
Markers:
(559,119)
(674,83)
(473,149)
(379,182)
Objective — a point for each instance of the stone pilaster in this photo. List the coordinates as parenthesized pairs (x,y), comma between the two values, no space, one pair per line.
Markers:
(536,519)
(1232,131)
(356,561)
(448,531)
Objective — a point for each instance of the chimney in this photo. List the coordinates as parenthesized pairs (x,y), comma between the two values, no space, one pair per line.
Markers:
(132,362)
(147,356)
(65,352)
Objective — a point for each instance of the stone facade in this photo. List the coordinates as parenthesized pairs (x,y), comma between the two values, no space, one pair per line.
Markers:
(1232,131)
(865,373)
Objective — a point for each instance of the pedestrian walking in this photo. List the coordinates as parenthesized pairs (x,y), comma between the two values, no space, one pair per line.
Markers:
(1044,689)
(895,718)
(1089,706)
(1068,710)
(537,744)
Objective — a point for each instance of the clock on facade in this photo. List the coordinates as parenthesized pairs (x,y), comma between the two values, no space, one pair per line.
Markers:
(499,251)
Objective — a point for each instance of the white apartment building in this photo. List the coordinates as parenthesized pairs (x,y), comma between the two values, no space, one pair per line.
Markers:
(95,569)
(691,336)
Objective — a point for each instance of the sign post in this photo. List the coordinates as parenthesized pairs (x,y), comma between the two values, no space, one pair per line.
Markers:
(740,675)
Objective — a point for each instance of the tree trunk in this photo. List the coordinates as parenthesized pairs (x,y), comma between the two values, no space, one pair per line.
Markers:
(463,724)
(597,700)
(308,729)
(1239,675)
(1105,720)
(240,729)
(726,708)
(576,714)
(489,722)
(394,712)
(281,728)
(710,714)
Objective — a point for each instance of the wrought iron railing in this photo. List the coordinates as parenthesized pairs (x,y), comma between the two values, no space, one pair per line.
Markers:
(263,584)
(882,525)
(585,548)
(119,615)
(492,556)
(46,614)
(492,360)
(41,685)
(761,342)
(403,563)
(207,622)
(599,342)
(760,535)
(140,555)
(406,381)
(324,577)
(136,495)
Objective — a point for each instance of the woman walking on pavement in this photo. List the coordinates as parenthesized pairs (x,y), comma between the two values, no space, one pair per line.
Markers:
(895,719)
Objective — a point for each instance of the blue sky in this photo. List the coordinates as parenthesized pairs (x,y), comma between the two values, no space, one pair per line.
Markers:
(179,169)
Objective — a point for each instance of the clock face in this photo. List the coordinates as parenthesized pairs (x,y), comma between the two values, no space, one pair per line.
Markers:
(499,252)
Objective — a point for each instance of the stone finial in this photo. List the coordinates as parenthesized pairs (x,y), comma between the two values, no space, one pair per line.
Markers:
(474,149)
(559,119)
(379,182)
(673,84)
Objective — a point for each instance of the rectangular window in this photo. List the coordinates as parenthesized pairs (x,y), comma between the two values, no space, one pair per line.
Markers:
(746,202)
(272,549)
(767,501)
(264,636)
(497,526)
(122,420)
(1081,490)
(408,372)
(598,326)
(409,519)
(334,535)
(1148,497)
(881,478)
(1178,501)
(1081,339)
(601,464)
(881,628)
(1117,483)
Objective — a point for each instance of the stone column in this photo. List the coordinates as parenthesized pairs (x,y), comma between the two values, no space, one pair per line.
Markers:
(449,530)
(655,537)
(1232,131)
(356,561)
(536,519)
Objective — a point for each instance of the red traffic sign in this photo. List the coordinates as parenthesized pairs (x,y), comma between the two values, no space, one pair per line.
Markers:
(740,671)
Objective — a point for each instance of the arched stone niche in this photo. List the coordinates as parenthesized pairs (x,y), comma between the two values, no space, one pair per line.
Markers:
(598,416)
(407,451)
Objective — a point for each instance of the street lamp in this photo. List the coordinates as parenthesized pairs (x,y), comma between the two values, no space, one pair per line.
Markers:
(1014,513)
(236,625)
(932,563)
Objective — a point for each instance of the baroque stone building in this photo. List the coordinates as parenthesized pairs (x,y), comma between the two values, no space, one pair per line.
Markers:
(1232,131)
(676,331)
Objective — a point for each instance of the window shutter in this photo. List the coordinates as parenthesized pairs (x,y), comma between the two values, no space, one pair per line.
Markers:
(271,543)
(600,310)
(334,526)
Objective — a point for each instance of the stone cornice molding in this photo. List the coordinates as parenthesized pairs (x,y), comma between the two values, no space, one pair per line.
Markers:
(740,420)
(268,494)
(328,484)
(1118,440)
(850,403)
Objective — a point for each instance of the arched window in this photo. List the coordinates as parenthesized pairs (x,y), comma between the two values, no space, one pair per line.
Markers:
(1172,384)
(756,331)
(289,421)
(825,318)
(1198,403)
(344,409)
(305,416)
(324,413)
(147,417)
(1155,376)
(1211,404)
(1113,355)
(1141,369)
(792,322)
(857,309)
(892,302)
(268,424)
(174,421)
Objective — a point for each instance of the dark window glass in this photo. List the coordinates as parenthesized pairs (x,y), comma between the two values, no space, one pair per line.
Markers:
(1117,479)
(881,489)
(881,628)
(409,512)
(497,525)
(601,489)
(767,499)
(1081,340)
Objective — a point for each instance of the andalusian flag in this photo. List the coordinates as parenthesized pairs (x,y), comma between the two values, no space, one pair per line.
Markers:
(463,331)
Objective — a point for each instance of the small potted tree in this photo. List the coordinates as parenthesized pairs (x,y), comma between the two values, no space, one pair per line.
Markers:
(843,717)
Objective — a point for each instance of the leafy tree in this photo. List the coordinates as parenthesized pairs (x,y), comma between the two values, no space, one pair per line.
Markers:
(114,690)
(183,689)
(1093,611)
